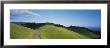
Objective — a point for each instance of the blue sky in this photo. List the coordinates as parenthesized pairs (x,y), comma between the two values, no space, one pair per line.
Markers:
(83,18)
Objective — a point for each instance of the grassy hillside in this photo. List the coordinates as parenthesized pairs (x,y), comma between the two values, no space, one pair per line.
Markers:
(85,32)
(53,32)
(49,31)
(20,32)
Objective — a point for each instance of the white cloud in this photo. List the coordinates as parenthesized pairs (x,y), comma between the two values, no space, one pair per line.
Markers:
(32,13)
(24,12)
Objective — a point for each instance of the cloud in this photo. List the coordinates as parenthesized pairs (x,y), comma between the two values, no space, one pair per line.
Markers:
(21,12)
(32,13)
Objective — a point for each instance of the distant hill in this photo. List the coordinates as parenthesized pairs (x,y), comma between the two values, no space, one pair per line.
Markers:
(57,31)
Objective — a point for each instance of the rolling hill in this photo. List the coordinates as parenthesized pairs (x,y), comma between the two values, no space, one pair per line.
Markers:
(20,32)
(49,31)
(53,32)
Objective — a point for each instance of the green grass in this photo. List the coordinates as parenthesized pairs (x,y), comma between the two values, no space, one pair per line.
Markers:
(86,33)
(53,32)
(20,32)
(48,32)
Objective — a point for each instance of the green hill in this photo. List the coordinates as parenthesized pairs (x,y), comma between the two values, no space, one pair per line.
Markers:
(86,32)
(53,32)
(49,31)
(20,32)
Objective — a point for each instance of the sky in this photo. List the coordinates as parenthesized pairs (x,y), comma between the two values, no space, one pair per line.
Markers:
(82,18)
